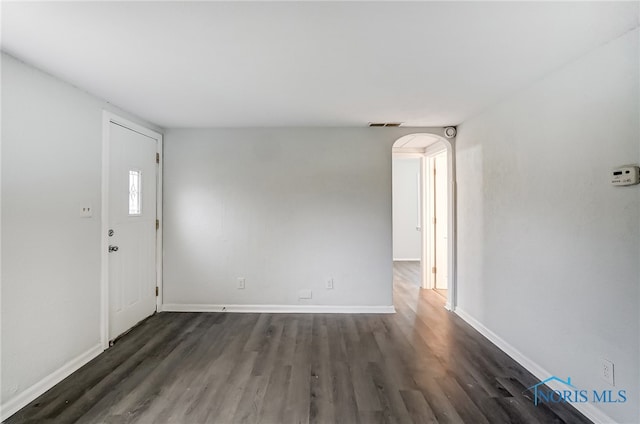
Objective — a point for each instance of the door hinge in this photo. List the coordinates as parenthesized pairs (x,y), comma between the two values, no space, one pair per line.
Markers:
(157,224)
(157,291)
(157,157)
(433,269)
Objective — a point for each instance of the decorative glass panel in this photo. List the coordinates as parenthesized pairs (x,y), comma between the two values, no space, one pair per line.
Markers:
(135,190)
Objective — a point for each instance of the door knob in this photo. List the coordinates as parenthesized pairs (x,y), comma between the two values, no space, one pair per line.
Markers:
(113,248)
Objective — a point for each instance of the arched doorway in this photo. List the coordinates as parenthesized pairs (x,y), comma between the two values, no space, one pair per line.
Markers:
(424,206)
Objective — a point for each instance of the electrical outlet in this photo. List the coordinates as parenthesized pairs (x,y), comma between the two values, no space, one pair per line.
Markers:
(329,284)
(606,371)
(86,211)
(304,294)
(241,282)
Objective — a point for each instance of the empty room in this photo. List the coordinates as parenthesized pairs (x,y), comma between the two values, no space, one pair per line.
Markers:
(320,212)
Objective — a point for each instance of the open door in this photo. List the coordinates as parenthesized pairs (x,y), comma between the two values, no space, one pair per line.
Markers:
(441,215)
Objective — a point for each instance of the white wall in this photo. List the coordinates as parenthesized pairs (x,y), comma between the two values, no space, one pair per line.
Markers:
(284,208)
(51,166)
(548,257)
(406,239)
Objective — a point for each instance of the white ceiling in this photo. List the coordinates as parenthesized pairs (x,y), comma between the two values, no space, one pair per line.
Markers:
(415,141)
(202,64)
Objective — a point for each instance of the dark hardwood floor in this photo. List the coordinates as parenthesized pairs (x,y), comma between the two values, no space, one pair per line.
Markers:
(422,365)
(407,272)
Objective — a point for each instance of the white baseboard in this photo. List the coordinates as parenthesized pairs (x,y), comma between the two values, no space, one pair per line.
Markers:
(275,309)
(406,260)
(21,400)
(588,409)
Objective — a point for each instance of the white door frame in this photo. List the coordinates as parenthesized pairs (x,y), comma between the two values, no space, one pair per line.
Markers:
(430,153)
(427,259)
(429,158)
(107,119)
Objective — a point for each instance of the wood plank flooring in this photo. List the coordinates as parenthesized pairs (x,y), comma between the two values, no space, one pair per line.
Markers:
(420,365)
(407,272)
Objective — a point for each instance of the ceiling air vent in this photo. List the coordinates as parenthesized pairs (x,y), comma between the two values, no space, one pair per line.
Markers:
(385,124)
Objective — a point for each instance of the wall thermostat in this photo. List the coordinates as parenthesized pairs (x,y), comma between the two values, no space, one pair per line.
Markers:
(626,175)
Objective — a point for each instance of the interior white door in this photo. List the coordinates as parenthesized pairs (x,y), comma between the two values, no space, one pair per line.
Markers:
(132,228)
(441,224)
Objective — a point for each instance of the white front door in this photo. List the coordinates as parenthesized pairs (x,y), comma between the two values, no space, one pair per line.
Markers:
(441,215)
(132,228)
